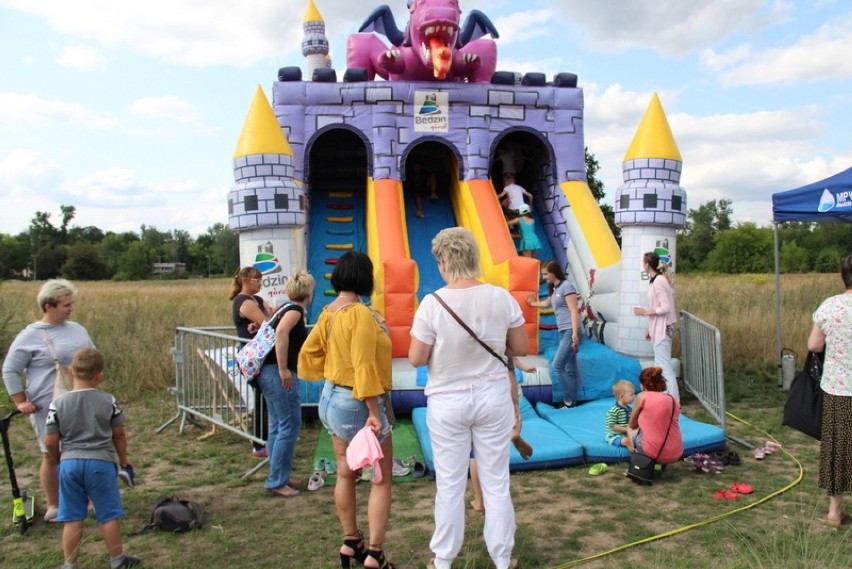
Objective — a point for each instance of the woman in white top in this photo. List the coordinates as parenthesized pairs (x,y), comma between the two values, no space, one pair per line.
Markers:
(661,318)
(470,399)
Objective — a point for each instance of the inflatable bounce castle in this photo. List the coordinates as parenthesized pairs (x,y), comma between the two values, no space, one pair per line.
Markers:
(380,166)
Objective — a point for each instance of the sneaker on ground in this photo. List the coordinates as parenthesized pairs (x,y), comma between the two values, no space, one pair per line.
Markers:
(260,453)
(128,561)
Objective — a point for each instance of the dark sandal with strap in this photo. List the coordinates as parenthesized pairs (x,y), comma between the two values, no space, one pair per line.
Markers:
(356,544)
(379,556)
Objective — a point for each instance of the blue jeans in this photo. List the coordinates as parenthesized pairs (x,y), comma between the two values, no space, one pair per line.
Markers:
(285,422)
(343,416)
(563,367)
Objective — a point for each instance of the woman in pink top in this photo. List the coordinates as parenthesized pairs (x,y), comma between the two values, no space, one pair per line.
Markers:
(655,414)
(661,318)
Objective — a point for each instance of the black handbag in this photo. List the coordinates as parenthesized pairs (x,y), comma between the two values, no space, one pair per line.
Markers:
(641,468)
(803,409)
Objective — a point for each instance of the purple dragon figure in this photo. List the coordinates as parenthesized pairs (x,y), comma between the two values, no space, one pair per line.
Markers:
(432,48)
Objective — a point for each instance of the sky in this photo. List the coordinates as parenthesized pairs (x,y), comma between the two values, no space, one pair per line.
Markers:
(131,111)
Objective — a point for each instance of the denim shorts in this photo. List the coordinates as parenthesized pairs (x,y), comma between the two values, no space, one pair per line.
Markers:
(82,480)
(616,442)
(343,415)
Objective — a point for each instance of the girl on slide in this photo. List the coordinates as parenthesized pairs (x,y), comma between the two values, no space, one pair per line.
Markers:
(530,243)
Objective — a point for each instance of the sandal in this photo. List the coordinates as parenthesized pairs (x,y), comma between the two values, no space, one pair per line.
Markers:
(379,556)
(726,495)
(598,469)
(316,482)
(740,488)
(759,453)
(356,544)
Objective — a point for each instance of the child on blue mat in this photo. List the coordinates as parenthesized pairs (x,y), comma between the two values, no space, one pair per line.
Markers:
(618,416)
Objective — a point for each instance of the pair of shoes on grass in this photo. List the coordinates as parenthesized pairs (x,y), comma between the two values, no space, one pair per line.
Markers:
(737,488)
(761,452)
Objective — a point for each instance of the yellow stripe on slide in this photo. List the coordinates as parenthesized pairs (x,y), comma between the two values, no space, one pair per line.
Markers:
(339,219)
(340,246)
(340,194)
(593,225)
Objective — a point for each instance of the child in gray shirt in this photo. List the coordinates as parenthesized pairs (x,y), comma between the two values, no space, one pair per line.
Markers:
(84,432)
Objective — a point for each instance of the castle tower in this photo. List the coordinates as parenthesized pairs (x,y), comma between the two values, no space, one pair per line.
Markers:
(266,206)
(314,44)
(649,207)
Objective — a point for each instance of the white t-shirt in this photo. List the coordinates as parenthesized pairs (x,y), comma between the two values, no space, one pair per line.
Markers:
(516,196)
(457,360)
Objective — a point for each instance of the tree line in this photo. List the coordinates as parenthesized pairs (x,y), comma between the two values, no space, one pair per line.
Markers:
(708,243)
(45,251)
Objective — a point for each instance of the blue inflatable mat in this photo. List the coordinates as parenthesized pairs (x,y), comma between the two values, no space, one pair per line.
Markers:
(551,448)
(585,424)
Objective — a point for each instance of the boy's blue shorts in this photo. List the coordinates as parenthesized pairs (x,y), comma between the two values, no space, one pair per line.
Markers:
(616,442)
(81,480)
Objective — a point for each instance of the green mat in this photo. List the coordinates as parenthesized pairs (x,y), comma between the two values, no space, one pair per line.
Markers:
(405,444)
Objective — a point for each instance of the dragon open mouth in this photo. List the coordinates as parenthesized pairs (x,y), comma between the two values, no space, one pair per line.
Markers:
(437,48)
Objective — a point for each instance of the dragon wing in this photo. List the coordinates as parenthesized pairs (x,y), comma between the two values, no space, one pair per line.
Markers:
(381,21)
(475,26)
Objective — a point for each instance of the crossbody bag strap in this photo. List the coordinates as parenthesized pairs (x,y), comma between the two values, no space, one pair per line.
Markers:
(50,348)
(473,335)
(333,316)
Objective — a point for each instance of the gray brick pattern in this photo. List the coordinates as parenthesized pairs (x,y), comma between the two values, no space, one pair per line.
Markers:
(265,176)
(657,179)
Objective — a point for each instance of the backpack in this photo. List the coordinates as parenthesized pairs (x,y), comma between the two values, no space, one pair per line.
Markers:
(251,356)
(172,514)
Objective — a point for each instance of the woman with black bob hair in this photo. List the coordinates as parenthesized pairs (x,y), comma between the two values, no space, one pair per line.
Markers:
(350,348)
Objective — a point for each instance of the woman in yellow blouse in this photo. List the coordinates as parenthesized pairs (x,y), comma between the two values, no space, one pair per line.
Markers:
(350,348)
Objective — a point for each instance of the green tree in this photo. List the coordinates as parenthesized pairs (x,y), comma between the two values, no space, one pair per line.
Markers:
(794,259)
(697,238)
(135,263)
(13,257)
(744,249)
(84,263)
(597,188)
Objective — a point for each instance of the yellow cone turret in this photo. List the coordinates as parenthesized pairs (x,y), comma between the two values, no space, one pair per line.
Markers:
(261,132)
(654,138)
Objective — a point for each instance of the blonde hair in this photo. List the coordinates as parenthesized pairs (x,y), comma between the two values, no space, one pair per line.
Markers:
(456,247)
(87,364)
(237,284)
(621,387)
(300,285)
(55,291)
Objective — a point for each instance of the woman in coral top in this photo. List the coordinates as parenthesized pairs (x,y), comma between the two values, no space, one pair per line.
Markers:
(350,348)
(654,414)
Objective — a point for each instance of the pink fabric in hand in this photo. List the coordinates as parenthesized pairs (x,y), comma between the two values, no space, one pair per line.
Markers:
(365,450)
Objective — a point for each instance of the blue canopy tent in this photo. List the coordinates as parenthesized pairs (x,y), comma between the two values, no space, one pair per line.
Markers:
(828,200)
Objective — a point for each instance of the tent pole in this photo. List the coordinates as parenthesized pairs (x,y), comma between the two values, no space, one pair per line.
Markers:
(778,304)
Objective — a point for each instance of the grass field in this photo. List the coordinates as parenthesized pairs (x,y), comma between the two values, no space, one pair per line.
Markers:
(564,515)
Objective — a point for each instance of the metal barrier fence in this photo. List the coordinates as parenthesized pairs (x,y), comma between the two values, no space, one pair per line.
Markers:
(209,385)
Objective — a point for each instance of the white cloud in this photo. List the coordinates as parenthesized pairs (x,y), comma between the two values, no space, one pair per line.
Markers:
(116,187)
(26,172)
(33,110)
(671,27)
(167,107)
(81,57)
(196,33)
(821,56)
(522,26)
